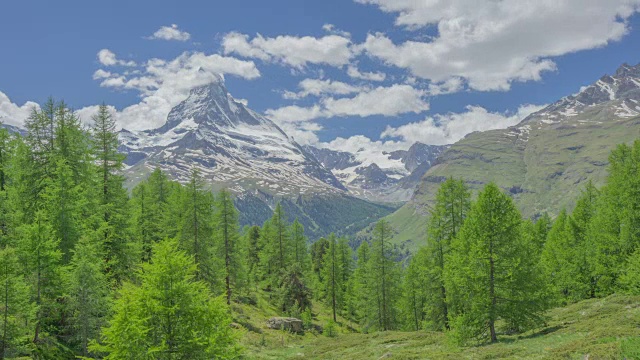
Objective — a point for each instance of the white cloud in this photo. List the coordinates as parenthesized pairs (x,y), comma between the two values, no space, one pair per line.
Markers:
(101,74)
(164,84)
(492,43)
(294,120)
(386,101)
(331,29)
(170,33)
(353,72)
(13,114)
(294,113)
(448,86)
(303,133)
(318,87)
(451,127)
(106,57)
(367,151)
(297,52)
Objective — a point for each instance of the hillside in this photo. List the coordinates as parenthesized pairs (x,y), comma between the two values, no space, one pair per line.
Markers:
(544,161)
(233,147)
(379,175)
(592,329)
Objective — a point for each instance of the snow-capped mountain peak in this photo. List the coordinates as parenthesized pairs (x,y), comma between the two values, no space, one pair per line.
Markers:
(623,88)
(230,144)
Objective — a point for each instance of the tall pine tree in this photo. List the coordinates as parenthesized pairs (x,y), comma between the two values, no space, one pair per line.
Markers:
(447,217)
(492,271)
(119,251)
(196,235)
(385,275)
(15,308)
(226,225)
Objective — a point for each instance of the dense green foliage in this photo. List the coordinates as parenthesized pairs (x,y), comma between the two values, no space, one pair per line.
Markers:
(88,269)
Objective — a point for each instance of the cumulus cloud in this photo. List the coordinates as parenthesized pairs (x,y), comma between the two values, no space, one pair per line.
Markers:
(170,33)
(318,87)
(13,114)
(163,84)
(451,127)
(294,113)
(387,101)
(106,57)
(491,43)
(448,86)
(354,73)
(331,29)
(297,52)
(303,133)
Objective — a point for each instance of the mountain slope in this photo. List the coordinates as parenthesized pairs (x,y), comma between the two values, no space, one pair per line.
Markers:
(389,177)
(233,147)
(230,145)
(545,160)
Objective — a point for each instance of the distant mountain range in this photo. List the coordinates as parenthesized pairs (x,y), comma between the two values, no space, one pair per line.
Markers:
(393,180)
(236,148)
(545,160)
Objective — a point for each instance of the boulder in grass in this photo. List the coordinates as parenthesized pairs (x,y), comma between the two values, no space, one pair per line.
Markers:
(285,323)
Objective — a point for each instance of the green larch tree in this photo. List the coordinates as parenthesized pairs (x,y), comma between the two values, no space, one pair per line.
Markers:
(615,225)
(253,244)
(363,299)
(385,275)
(87,291)
(169,315)
(562,260)
(414,296)
(197,234)
(15,307)
(227,238)
(281,237)
(299,242)
(490,266)
(447,217)
(542,228)
(120,253)
(40,256)
(332,277)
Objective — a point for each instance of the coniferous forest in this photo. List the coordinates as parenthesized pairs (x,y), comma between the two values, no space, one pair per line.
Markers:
(89,269)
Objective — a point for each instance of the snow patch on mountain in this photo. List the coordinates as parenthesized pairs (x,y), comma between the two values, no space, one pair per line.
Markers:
(230,145)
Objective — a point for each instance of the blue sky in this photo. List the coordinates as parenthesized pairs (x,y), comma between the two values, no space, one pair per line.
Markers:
(497,57)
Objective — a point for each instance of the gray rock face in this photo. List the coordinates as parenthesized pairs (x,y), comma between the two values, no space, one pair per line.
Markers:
(621,89)
(285,323)
(371,176)
(392,181)
(332,159)
(231,145)
(418,154)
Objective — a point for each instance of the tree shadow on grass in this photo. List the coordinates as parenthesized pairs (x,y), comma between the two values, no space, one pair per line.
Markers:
(543,332)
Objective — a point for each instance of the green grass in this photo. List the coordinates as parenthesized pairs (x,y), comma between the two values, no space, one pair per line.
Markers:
(544,171)
(593,329)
